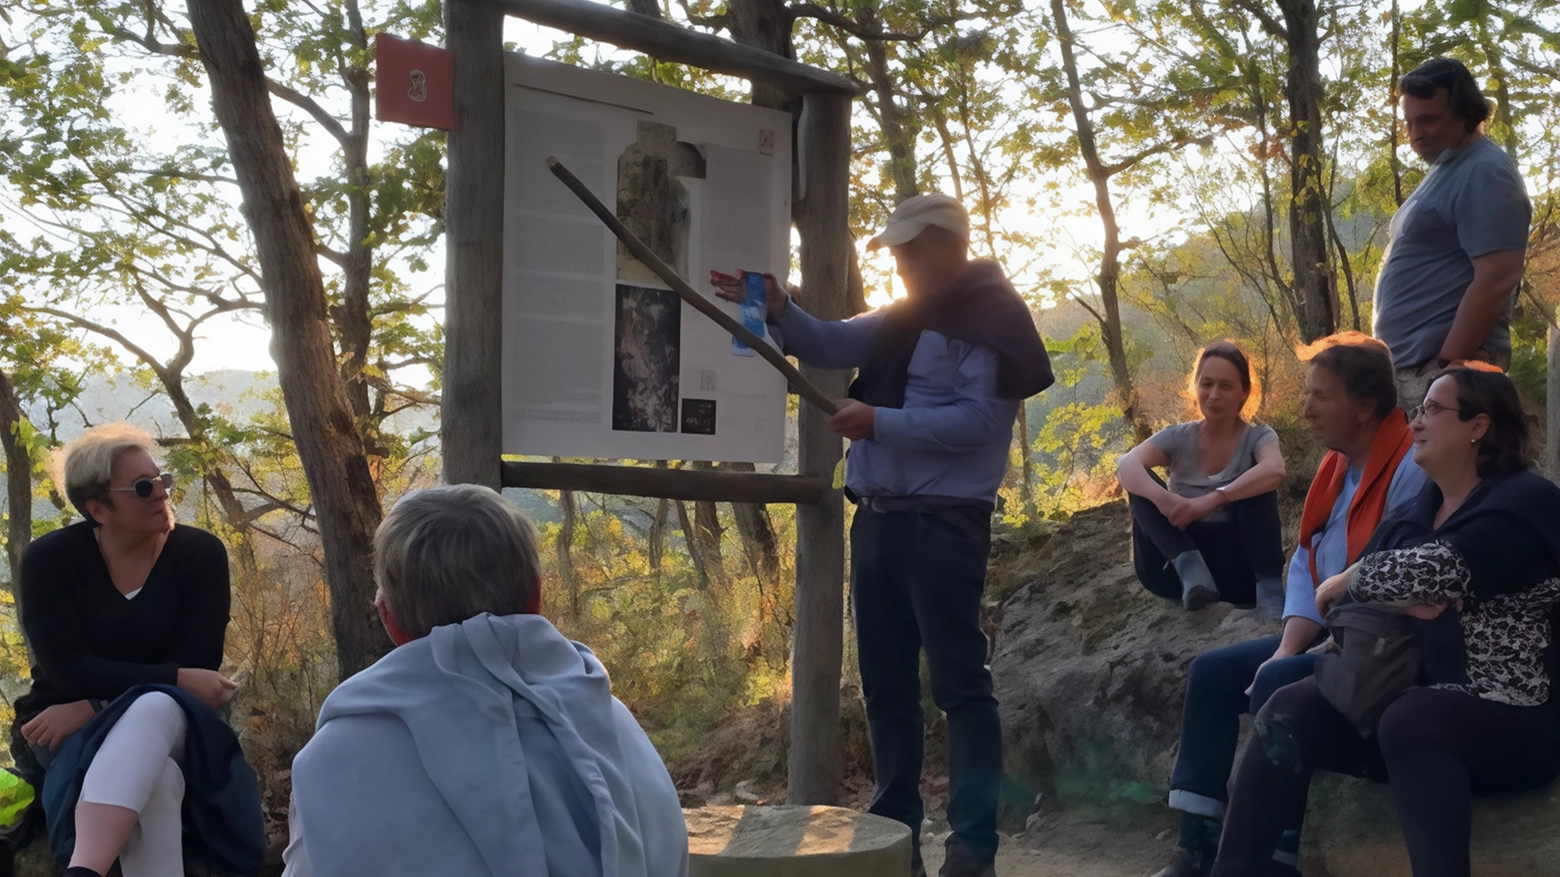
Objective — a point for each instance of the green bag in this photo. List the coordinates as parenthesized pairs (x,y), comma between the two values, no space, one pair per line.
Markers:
(16,795)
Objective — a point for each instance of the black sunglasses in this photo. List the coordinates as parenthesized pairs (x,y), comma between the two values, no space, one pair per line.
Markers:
(143,486)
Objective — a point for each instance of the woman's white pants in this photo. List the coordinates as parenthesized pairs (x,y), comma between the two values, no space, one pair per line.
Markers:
(137,768)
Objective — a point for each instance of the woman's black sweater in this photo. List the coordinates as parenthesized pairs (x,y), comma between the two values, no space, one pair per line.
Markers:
(90,641)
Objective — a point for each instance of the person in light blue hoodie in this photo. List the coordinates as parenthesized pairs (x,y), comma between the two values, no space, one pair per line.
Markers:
(486,743)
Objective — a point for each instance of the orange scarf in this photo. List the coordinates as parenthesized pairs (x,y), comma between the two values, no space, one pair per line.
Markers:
(1387,447)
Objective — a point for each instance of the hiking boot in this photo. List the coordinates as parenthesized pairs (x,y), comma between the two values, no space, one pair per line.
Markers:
(961,861)
(1197,597)
(1197,586)
(1185,865)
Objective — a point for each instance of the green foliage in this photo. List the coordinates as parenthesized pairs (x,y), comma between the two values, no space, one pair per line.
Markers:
(1530,355)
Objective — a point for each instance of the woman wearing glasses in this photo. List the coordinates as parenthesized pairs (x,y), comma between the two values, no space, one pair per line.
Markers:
(1477,561)
(120,600)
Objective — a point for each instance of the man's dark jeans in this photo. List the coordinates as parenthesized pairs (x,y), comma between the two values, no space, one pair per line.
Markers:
(916,582)
(1210,720)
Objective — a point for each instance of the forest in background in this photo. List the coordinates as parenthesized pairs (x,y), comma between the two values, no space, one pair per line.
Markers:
(1153,175)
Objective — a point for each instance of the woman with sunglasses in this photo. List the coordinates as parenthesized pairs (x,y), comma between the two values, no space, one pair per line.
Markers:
(120,600)
(1476,560)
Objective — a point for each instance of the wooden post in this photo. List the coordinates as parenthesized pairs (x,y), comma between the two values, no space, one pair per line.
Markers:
(471,422)
(823,143)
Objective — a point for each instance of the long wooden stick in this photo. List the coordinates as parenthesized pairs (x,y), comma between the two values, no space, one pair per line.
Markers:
(804,388)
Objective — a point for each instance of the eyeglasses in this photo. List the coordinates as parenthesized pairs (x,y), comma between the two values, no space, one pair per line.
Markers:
(1431,408)
(143,486)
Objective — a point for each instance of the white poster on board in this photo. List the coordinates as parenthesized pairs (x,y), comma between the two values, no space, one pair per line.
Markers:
(600,358)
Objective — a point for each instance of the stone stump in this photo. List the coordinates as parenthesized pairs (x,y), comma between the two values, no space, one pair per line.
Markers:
(752,841)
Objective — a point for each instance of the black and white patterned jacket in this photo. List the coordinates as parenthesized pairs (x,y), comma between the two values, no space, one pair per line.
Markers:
(1496,561)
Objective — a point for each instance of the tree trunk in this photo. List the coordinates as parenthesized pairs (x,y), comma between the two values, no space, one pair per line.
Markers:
(18,482)
(757,530)
(1026,487)
(897,123)
(691,542)
(329,446)
(1552,387)
(1314,282)
(353,322)
(706,523)
(655,540)
(565,547)
(765,24)
(1109,276)
(1392,98)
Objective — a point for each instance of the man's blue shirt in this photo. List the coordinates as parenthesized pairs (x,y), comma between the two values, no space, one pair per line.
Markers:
(954,432)
(1332,543)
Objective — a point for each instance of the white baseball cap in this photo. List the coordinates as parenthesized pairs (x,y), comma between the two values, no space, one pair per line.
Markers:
(914,214)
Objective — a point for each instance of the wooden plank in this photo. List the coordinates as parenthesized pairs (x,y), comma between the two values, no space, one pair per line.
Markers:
(818,645)
(671,42)
(684,484)
(472,409)
(703,305)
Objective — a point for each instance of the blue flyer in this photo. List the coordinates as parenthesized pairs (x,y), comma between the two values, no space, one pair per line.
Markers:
(752,311)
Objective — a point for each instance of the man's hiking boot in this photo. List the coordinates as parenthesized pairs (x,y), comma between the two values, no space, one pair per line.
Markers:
(961,861)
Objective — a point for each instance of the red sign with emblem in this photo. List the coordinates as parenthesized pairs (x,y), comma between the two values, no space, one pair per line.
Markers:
(415,83)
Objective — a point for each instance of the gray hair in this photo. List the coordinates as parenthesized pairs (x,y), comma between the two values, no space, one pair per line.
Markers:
(445,554)
(85,467)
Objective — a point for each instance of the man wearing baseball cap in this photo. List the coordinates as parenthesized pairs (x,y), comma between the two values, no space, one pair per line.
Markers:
(930,419)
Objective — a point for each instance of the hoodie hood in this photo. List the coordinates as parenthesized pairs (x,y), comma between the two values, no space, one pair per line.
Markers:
(470,694)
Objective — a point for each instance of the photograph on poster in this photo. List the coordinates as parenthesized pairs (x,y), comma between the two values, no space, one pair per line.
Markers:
(698,416)
(653,201)
(646,359)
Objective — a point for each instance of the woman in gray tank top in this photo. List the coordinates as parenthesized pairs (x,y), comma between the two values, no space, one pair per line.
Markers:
(1210,529)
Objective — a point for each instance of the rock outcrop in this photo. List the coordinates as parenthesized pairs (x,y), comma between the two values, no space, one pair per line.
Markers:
(1091,669)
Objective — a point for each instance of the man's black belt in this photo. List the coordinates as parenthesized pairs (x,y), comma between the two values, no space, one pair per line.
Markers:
(919,502)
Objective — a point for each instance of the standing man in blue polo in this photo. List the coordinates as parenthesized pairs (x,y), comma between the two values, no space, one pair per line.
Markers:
(930,420)
(1455,253)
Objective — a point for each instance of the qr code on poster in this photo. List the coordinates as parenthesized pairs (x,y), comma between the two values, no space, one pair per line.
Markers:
(707,381)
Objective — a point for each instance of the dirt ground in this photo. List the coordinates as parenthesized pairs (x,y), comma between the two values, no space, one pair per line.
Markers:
(1126,842)
(1067,846)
